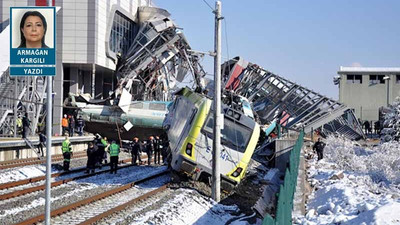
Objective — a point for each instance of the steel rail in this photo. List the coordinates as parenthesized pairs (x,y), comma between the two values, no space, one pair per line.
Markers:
(123,206)
(89,200)
(53,184)
(36,179)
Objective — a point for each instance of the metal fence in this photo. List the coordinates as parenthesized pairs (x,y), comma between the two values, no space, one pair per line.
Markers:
(286,193)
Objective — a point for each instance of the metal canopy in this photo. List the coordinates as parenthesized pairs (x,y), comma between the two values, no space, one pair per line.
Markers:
(292,105)
(158,58)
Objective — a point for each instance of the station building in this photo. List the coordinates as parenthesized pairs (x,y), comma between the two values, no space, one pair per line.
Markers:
(89,35)
(366,89)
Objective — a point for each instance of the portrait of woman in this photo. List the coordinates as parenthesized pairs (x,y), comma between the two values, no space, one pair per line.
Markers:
(33,29)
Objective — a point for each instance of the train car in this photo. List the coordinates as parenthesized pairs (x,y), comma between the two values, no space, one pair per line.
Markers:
(145,118)
(189,126)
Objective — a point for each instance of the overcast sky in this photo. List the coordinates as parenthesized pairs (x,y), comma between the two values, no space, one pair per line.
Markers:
(304,41)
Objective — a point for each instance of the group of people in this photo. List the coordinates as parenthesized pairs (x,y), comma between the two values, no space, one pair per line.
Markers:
(98,149)
(69,124)
(96,154)
(154,146)
(368,127)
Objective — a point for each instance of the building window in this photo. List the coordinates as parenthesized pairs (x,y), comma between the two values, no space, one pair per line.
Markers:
(397,78)
(123,32)
(354,79)
(376,79)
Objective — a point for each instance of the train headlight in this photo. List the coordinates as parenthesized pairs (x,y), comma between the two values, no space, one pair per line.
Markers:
(189,148)
(230,113)
(237,172)
(236,116)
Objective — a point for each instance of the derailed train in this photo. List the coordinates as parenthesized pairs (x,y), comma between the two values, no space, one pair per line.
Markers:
(189,126)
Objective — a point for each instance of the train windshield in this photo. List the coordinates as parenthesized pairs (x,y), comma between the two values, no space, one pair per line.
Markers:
(234,134)
(184,111)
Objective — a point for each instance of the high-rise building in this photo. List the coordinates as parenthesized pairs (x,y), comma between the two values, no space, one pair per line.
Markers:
(90,33)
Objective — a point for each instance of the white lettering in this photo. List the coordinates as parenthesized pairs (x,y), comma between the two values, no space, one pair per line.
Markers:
(33,60)
(32,52)
(33,71)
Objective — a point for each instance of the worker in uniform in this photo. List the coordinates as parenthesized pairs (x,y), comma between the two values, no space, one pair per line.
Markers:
(80,123)
(67,152)
(319,148)
(114,152)
(136,149)
(106,146)
(150,149)
(91,154)
(157,150)
(64,124)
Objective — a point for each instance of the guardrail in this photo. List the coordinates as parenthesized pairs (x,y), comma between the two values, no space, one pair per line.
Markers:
(286,193)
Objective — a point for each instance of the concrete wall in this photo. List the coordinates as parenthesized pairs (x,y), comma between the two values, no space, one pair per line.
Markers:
(22,153)
(283,147)
(86,25)
(366,98)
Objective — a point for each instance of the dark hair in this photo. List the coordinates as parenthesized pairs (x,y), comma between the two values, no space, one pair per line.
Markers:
(21,26)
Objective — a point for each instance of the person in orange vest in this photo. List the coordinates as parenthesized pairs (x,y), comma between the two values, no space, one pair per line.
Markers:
(64,124)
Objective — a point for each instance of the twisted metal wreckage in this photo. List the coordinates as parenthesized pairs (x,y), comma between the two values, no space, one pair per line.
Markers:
(148,73)
(160,58)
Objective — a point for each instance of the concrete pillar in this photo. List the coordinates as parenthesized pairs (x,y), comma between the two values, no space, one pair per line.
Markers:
(99,83)
(87,81)
(74,80)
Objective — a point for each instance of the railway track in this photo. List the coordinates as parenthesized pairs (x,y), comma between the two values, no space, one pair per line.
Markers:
(34,161)
(15,184)
(95,208)
(16,193)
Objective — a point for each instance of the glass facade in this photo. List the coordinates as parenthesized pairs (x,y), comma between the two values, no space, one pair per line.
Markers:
(123,32)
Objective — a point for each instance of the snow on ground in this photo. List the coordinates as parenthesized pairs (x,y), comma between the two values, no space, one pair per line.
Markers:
(189,207)
(368,192)
(22,173)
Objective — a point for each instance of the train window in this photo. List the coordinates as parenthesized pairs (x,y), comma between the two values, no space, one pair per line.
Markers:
(157,106)
(234,134)
(137,105)
(184,111)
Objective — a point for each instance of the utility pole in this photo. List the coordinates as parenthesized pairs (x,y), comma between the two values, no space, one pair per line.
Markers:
(216,178)
(49,128)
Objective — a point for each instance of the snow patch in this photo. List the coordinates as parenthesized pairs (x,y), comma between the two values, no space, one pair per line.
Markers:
(22,173)
(368,192)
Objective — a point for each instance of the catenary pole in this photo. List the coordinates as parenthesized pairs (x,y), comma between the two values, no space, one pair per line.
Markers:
(216,178)
(49,126)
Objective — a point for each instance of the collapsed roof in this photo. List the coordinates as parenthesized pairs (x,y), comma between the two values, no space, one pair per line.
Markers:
(159,57)
(292,105)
